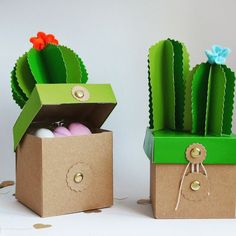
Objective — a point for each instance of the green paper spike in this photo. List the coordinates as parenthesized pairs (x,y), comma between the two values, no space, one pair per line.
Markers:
(17,93)
(168,68)
(24,76)
(84,73)
(72,64)
(180,73)
(229,100)
(46,62)
(18,99)
(151,125)
(47,65)
(188,105)
(198,97)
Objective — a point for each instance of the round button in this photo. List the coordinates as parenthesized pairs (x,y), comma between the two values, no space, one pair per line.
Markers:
(78,177)
(79,94)
(195,152)
(195,185)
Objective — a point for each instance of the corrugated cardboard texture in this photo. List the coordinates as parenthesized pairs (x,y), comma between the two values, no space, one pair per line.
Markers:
(42,173)
(165,182)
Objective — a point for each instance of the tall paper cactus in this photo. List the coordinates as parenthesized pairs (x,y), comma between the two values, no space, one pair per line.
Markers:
(46,62)
(200,101)
(168,67)
(210,86)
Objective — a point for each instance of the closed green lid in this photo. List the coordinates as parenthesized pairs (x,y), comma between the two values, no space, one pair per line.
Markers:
(169,147)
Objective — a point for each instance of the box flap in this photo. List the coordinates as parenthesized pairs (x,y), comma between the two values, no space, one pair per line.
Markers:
(168,147)
(52,102)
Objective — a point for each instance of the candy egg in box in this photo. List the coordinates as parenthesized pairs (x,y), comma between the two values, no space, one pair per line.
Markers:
(61,131)
(78,129)
(44,133)
(74,129)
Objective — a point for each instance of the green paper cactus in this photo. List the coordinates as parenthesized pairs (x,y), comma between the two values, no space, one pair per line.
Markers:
(210,86)
(46,62)
(168,64)
(199,101)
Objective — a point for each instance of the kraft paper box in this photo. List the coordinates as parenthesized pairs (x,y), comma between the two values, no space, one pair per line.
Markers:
(62,175)
(216,196)
(189,142)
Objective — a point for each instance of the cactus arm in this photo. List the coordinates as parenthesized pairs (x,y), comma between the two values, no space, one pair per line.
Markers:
(229,100)
(199,97)
(162,85)
(217,85)
(24,76)
(181,69)
(169,86)
(73,69)
(155,72)
(47,65)
(178,85)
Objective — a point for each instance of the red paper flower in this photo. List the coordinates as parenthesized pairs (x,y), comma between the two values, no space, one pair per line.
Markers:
(42,39)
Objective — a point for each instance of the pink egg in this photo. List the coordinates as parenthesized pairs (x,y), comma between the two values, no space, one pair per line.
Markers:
(78,129)
(61,131)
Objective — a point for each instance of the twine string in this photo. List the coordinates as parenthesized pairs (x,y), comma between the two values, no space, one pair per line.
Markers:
(197,167)
(180,187)
(183,176)
(204,169)
(192,168)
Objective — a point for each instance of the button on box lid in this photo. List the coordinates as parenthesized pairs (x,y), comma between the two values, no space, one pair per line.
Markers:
(169,147)
(92,102)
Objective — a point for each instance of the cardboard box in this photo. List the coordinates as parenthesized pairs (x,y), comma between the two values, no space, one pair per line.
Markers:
(62,175)
(174,175)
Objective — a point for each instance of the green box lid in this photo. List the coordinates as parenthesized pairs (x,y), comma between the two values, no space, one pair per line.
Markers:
(168,147)
(55,101)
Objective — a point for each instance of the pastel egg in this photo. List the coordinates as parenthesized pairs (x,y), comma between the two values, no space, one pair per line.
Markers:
(61,131)
(44,133)
(78,129)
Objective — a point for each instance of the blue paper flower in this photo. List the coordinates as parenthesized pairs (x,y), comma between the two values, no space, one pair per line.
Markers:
(217,55)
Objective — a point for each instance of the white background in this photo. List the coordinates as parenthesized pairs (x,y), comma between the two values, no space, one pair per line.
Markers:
(113,38)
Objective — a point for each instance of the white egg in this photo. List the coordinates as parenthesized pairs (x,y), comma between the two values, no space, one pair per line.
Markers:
(44,133)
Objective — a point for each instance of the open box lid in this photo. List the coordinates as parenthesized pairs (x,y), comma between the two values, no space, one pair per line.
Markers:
(89,102)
